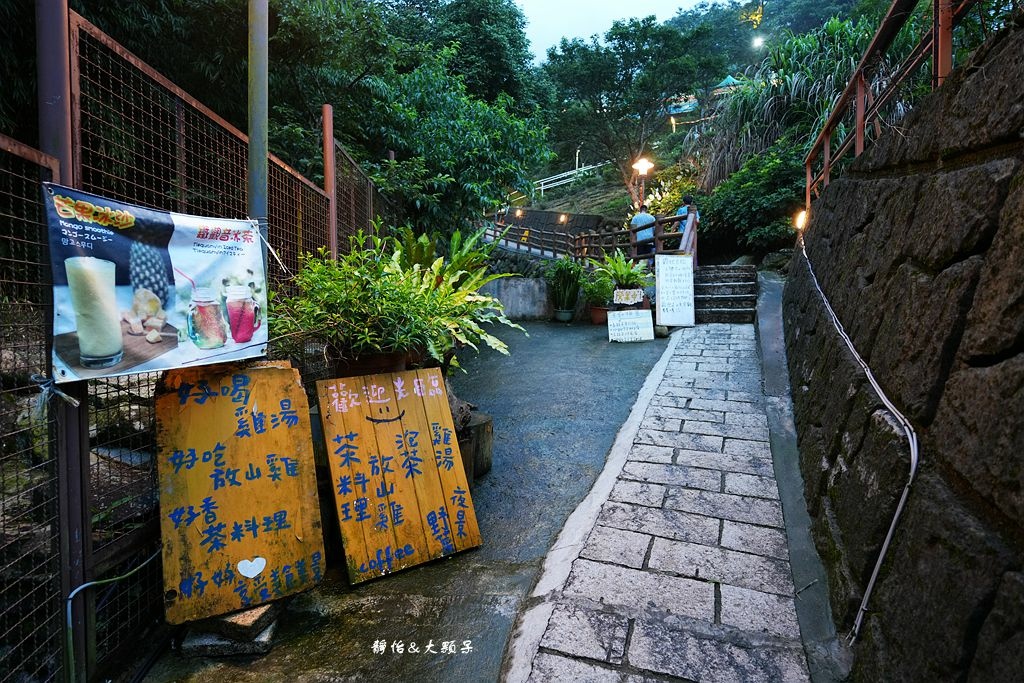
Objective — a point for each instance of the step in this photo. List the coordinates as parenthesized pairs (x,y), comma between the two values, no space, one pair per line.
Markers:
(729,268)
(726,315)
(735,288)
(731,301)
(723,276)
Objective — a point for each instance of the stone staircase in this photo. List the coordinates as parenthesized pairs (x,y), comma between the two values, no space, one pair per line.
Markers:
(725,294)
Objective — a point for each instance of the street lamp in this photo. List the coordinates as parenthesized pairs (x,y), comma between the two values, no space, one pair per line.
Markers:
(642,166)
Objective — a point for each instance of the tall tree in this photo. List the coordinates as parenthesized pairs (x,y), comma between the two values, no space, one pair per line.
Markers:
(611,95)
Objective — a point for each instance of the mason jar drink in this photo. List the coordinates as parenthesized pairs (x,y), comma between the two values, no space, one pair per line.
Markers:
(243,313)
(91,283)
(205,324)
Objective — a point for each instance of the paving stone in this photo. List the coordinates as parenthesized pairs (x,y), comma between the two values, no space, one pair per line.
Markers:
(687,414)
(674,524)
(734,431)
(745,396)
(728,567)
(727,384)
(699,403)
(697,442)
(675,384)
(645,453)
(663,424)
(753,610)
(245,624)
(726,461)
(674,365)
(667,647)
(636,589)
(750,485)
(726,506)
(687,394)
(675,475)
(587,633)
(638,493)
(742,447)
(746,419)
(618,546)
(550,667)
(759,540)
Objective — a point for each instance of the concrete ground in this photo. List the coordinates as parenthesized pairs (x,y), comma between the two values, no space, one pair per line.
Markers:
(558,402)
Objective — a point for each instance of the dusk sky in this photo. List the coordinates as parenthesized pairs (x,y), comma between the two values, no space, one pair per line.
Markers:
(549,20)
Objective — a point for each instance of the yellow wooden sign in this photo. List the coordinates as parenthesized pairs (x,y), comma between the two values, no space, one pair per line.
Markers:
(238,506)
(400,488)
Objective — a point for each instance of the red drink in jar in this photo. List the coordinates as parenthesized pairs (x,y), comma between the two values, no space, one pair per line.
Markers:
(243,313)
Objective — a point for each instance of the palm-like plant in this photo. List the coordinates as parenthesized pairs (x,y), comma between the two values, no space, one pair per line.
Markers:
(623,272)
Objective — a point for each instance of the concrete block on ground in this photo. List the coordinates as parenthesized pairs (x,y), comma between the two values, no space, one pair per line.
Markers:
(198,644)
(634,590)
(726,506)
(245,624)
(618,546)
(727,567)
(682,526)
(587,633)
(756,611)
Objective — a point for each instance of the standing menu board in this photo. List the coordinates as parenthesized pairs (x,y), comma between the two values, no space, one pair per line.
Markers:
(630,325)
(238,507)
(400,487)
(674,281)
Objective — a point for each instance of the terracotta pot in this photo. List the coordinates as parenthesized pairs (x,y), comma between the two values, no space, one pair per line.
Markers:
(599,315)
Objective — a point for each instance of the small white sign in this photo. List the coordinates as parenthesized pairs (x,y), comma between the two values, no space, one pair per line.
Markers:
(630,326)
(628,297)
(674,282)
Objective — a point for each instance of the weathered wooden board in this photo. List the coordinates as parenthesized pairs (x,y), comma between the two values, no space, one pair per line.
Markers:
(630,326)
(238,505)
(675,303)
(401,492)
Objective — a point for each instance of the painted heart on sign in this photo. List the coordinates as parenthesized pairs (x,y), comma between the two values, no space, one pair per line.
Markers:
(252,568)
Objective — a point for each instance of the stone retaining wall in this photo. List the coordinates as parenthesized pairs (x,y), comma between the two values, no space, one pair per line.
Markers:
(920,248)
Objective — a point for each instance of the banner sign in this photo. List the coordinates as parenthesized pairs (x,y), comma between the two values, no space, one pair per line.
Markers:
(139,290)
(400,487)
(239,514)
(674,303)
(630,326)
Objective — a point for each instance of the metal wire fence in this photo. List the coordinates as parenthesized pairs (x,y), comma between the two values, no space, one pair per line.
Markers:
(136,138)
(30,560)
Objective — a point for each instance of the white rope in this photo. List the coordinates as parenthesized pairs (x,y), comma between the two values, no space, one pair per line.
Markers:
(908,429)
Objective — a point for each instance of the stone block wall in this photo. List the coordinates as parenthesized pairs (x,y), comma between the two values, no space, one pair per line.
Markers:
(920,249)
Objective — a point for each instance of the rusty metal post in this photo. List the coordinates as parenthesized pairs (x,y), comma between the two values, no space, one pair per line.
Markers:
(827,158)
(858,143)
(807,190)
(330,186)
(53,59)
(942,43)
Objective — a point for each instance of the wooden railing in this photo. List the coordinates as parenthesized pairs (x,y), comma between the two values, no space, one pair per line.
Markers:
(938,45)
(671,236)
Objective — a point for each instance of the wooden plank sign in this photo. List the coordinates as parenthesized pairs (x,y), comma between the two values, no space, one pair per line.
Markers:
(238,506)
(674,303)
(400,488)
(630,326)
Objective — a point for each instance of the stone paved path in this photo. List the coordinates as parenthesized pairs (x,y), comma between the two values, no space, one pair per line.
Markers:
(677,565)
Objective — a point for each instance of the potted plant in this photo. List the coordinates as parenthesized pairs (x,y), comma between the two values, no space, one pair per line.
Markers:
(368,310)
(628,277)
(564,276)
(597,290)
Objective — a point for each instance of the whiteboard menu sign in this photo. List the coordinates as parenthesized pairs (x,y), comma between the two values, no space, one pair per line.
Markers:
(630,326)
(674,281)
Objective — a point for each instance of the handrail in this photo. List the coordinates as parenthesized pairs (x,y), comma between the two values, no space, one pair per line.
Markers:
(560,179)
(582,246)
(867,106)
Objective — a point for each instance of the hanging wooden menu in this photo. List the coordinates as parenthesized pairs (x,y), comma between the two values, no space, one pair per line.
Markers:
(401,492)
(238,507)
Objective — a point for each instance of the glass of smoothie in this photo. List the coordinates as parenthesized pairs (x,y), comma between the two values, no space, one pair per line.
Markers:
(204,321)
(243,313)
(91,285)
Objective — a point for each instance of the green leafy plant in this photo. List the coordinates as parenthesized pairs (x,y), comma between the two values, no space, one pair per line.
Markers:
(564,277)
(370,301)
(623,272)
(597,288)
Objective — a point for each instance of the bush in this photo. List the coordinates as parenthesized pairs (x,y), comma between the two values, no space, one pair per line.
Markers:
(754,207)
